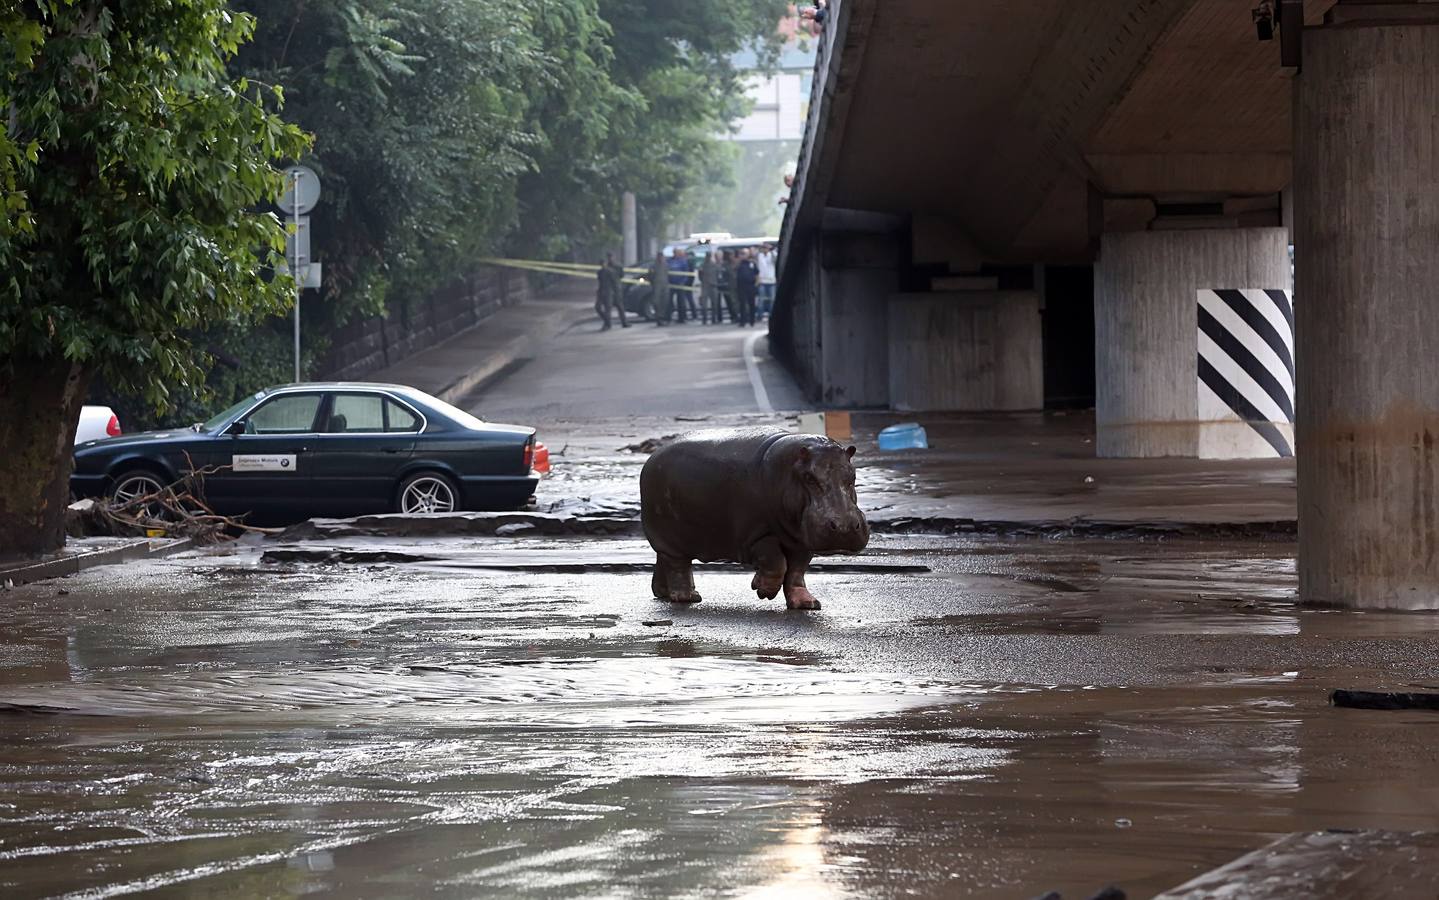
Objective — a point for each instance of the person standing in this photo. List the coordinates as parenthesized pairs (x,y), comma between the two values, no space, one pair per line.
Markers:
(746,275)
(766,263)
(709,287)
(727,286)
(660,290)
(609,292)
(681,297)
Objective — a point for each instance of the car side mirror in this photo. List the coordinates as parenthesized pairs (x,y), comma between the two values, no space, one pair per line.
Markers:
(236,427)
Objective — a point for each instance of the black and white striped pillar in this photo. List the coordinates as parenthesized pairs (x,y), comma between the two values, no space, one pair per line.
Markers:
(1245,373)
(1184,366)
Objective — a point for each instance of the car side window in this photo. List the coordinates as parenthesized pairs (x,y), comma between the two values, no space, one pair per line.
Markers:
(356,414)
(401,419)
(287,414)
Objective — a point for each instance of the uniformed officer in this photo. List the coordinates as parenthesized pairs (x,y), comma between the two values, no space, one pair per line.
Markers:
(709,287)
(660,290)
(610,292)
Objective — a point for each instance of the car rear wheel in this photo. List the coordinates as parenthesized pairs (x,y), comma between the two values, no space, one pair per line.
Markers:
(426,493)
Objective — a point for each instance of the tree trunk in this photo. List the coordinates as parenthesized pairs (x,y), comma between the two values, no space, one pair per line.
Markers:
(40,404)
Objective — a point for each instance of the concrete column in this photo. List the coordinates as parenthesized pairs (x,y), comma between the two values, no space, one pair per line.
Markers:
(1147,344)
(858,274)
(979,351)
(1366,181)
(629,225)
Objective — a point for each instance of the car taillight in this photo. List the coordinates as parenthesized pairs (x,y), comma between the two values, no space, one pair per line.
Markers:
(529,460)
(113,428)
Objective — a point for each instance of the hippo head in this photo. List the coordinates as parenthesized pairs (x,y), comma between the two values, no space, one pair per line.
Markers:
(822,491)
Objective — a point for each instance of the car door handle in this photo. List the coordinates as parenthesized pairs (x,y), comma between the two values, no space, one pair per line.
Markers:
(389,449)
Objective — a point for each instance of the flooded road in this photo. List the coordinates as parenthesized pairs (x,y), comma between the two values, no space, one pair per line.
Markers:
(967,717)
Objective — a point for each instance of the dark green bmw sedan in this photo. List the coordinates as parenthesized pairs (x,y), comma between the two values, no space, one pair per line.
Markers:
(325,449)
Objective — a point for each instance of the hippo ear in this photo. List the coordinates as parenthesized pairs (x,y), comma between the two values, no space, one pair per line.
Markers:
(849,451)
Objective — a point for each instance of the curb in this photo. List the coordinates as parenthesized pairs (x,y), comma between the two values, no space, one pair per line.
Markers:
(114,554)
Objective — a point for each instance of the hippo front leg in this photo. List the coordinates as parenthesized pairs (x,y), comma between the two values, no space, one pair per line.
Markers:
(769,568)
(796,595)
(674,580)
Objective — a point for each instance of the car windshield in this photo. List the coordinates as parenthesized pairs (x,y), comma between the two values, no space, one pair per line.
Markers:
(225,416)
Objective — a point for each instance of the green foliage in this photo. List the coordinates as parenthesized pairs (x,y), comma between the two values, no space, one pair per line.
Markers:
(132,171)
(449,129)
(418,107)
(245,359)
(137,175)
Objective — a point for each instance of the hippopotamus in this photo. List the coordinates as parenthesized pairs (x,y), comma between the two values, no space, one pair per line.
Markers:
(760,497)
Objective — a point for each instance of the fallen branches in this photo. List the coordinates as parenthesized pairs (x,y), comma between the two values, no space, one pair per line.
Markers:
(177,510)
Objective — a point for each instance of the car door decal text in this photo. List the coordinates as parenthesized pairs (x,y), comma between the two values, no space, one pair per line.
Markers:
(263,462)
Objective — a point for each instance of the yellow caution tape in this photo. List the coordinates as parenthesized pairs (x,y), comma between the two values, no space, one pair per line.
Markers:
(583,270)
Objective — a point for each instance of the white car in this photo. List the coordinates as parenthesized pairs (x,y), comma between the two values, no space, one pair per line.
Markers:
(97,422)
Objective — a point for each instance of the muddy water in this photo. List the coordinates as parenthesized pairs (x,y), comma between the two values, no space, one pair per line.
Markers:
(1026,716)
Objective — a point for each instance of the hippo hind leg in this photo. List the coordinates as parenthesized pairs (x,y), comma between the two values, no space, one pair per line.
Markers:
(674,580)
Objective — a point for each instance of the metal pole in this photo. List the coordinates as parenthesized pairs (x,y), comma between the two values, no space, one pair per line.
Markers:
(295,266)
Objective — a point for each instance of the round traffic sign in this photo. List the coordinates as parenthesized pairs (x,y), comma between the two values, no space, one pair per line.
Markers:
(302,190)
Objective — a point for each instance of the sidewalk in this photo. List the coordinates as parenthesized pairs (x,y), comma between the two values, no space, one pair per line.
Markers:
(80,554)
(461,364)
(1038,471)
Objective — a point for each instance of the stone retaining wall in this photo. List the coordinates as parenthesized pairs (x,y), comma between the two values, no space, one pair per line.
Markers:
(369,345)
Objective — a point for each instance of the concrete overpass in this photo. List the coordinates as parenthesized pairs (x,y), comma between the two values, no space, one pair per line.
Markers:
(1008,205)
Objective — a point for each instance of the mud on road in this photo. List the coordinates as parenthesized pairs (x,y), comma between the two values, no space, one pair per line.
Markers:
(476,717)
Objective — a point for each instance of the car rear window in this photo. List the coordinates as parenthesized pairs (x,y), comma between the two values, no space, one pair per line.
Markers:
(357,414)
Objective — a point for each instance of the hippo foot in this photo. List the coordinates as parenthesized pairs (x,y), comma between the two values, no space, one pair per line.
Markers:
(767,586)
(690,596)
(800,598)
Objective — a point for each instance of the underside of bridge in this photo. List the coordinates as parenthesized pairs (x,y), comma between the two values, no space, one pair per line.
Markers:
(1012,205)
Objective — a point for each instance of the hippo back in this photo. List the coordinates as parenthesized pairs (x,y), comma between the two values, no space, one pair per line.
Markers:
(707,495)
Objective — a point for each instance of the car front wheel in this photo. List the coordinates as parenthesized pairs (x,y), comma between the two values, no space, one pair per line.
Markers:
(428,492)
(133,485)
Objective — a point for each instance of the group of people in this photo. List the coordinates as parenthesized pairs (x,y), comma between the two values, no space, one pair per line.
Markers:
(739,283)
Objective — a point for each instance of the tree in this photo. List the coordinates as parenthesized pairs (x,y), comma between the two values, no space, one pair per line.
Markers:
(418,109)
(131,220)
(679,58)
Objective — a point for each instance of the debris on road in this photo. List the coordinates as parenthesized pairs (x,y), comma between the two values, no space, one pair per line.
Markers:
(657,623)
(1384,700)
(177,510)
(650,445)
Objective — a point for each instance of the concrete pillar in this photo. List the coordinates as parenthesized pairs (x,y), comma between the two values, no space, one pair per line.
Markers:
(1366,181)
(1190,350)
(979,351)
(629,225)
(858,273)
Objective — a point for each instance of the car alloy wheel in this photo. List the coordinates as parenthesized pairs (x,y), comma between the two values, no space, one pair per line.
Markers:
(427,494)
(133,486)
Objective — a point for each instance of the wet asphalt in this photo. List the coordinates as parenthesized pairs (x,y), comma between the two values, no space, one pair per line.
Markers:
(517,717)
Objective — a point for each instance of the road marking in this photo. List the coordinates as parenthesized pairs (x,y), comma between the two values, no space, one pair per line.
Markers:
(761,396)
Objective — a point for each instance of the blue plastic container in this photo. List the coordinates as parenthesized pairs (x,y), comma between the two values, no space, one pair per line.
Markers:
(905,436)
